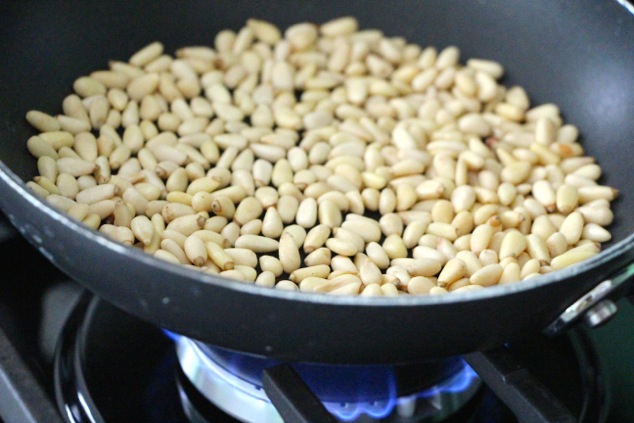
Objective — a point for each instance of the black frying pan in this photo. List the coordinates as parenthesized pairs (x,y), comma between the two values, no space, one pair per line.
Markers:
(578,55)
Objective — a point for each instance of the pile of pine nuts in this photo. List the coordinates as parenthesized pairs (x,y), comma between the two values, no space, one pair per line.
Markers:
(324,159)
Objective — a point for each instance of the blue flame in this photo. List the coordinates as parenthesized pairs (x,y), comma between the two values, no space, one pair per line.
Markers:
(349,392)
(380,409)
(375,409)
(350,412)
(460,382)
(171,335)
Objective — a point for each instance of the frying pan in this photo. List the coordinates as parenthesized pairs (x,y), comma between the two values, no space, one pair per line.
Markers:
(577,54)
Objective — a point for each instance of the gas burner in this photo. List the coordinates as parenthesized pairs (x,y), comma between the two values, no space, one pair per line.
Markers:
(421,392)
(113,367)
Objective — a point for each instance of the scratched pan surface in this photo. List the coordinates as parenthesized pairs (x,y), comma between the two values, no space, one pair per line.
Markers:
(578,55)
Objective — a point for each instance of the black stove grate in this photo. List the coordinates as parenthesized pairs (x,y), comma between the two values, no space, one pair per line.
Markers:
(110,330)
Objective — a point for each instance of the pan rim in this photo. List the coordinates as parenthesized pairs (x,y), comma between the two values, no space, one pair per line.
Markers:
(18,185)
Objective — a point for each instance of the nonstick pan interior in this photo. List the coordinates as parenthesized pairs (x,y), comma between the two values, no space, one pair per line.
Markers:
(577,55)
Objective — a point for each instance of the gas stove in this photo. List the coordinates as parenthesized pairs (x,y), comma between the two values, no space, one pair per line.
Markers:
(68,356)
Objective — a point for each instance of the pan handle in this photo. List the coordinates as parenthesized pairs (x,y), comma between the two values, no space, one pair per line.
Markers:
(597,306)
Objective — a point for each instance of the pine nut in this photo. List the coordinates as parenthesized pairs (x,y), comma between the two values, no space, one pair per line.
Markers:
(394,247)
(494,69)
(342,246)
(464,180)
(298,233)
(595,233)
(40,148)
(591,193)
(471,261)
(319,256)
(444,230)
(544,193)
(320,271)
(488,275)
(146,54)
(463,198)
(572,227)
(252,227)
(248,209)
(339,27)
(210,236)
(97,193)
(196,250)
(481,237)
(413,232)
(372,290)
(258,244)
(537,248)
(218,256)
(389,290)
(42,121)
(454,269)
(569,258)
(368,229)
(166,256)
(187,224)
(442,212)
(75,167)
(266,279)
(60,202)
(369,272)
(513,244)
(420,285)
(87,87)
(421,266)
(425,252)
(349,288)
